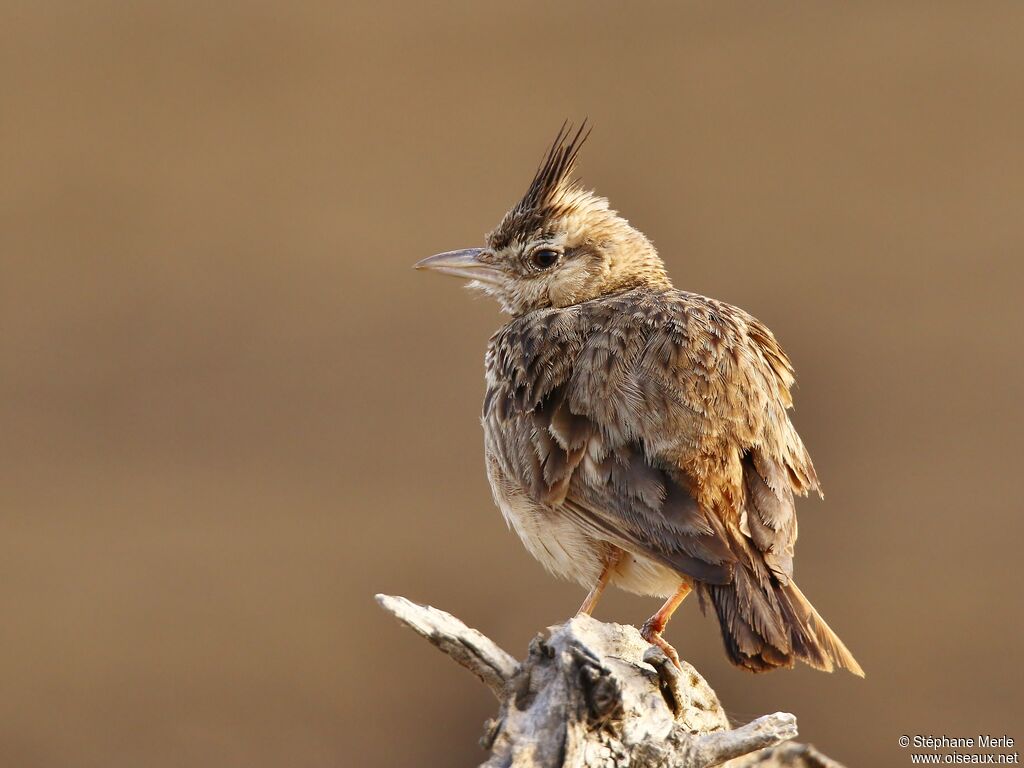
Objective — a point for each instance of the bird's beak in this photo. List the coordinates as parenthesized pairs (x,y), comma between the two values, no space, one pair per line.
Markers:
(465,264)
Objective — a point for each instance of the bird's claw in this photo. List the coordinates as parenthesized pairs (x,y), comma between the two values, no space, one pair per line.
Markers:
(652,635)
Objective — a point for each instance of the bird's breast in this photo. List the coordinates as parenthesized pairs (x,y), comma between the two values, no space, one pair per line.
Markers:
(566,549)
(553,538)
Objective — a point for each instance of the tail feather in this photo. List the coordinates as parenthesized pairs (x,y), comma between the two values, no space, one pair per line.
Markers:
(751,619)
(813,638)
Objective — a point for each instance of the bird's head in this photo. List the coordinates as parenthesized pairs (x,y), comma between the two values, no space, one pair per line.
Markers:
(559,245)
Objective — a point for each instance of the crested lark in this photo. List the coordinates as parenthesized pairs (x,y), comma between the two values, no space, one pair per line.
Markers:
(636,434)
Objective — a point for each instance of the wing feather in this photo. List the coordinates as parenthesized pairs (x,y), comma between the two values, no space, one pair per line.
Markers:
(609,403)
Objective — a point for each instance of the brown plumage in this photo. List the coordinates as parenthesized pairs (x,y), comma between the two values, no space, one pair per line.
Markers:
(636,434)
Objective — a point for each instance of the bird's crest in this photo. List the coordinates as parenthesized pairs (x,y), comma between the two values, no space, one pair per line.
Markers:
(552,190)
(554,176)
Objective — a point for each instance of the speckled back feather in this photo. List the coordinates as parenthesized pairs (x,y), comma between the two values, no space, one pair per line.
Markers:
(657,420)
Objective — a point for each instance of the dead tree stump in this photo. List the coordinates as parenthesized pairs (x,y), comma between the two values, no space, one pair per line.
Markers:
(595,695)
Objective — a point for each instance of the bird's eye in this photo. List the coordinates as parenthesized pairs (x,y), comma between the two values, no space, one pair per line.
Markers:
(544,258)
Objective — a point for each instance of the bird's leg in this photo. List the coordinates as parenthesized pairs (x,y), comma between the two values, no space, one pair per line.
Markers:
(611,561)
(654,626)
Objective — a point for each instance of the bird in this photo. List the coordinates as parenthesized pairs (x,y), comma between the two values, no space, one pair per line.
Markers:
(638,435)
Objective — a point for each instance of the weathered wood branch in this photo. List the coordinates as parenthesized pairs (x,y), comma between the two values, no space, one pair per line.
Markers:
(597,695)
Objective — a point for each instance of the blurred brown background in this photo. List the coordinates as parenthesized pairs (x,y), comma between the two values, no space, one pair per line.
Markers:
(232,412)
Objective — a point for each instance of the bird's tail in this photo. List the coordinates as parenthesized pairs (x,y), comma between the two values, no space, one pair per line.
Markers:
(765,628)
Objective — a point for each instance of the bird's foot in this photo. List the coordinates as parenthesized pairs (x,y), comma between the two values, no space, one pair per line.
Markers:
(587,609)
(652,634)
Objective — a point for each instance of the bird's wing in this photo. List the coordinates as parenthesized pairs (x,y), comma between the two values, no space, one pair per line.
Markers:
(624,497)
(565,455)
(721,381)
(768,518)
(603,410)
